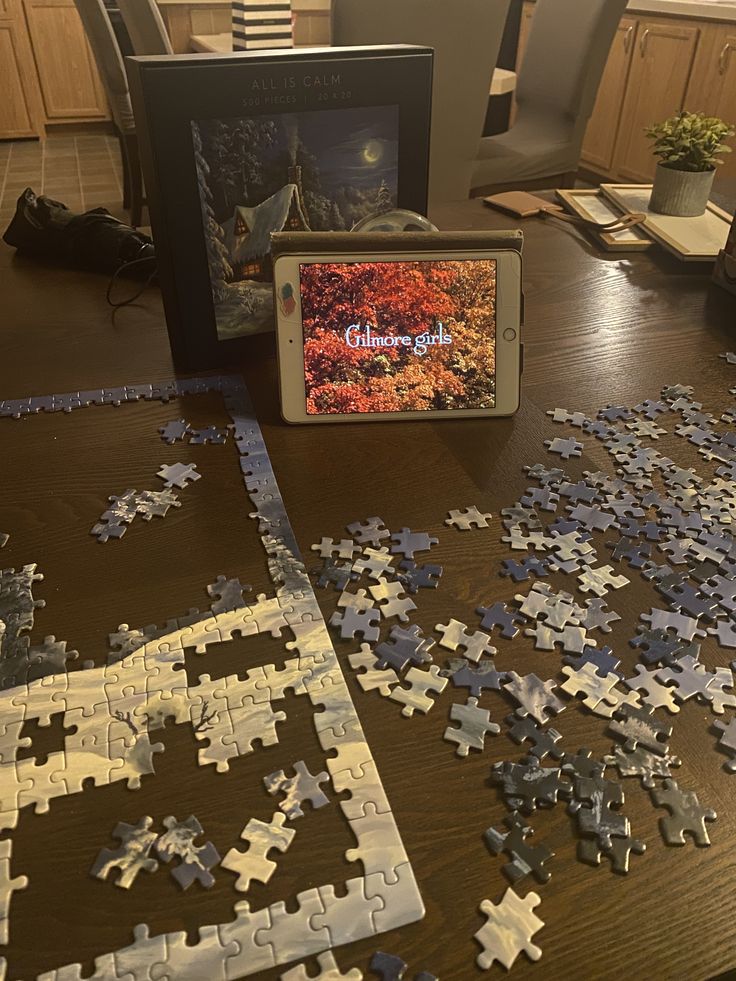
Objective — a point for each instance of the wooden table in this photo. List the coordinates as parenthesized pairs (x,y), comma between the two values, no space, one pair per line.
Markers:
(503,79)
(599,329)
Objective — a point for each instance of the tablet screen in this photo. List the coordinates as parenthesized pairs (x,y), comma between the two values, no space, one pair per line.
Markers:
(399,336)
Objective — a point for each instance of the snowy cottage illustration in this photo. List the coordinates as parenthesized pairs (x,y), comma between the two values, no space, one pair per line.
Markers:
(248,232)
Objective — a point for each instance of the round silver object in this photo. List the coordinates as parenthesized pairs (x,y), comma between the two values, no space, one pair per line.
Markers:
(395,220)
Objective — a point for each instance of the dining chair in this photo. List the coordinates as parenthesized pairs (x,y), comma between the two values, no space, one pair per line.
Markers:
(466,36)
(109,62)
(557,83)
(145,27)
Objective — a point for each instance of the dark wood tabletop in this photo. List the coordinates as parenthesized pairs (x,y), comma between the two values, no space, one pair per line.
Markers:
(600,329)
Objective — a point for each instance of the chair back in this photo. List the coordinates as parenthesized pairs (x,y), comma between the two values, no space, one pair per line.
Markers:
(145,27)
(565,56)
(466,36)
(109,61)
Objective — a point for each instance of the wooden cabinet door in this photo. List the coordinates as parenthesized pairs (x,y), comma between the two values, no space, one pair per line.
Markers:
(67,73)
(658,80)
(600,136)
(20,109)
(712,87)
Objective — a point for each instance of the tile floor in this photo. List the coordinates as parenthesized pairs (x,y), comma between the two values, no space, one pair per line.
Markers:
(80,171)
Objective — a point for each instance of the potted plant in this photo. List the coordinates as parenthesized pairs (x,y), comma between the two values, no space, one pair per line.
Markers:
(689,145)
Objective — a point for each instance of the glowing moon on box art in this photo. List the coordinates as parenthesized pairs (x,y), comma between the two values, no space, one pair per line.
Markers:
(372,151)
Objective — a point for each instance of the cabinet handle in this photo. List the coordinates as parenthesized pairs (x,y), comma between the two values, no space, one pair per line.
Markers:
(723,57)
(627,38)
(643,42)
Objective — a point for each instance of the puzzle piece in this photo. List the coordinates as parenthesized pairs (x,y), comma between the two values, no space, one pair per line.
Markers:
(210,434)
(476,679)
(416,577)
(618,851)
(227,594)
(520,571)
(595,806)
(527,785)
(600,580)
(474,724)
(195,860)
(686,816)
(407,542)
(416,697)
(727,741)
(656,695)
(376,562)
(689,677)
(178,474)
(344,549)
(372,531)
(136,841)
(535,697)
(391,599)
(328,969)
(7,887)
(174,430)
(525,859)
(499,615)
(564,447)
(372,676)
(405,645)
(543,741)
(509,930)
(455,637)
(641,763)
(298,788)
(353,622)
(255,865)
(599,693)
(470,518)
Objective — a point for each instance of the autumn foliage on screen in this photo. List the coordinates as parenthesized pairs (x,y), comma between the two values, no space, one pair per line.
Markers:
(399,336)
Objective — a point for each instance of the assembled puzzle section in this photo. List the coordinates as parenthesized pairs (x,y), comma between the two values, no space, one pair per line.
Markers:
(110,712)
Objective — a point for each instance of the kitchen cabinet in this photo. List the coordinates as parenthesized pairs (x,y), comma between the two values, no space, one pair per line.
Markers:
(658,79)
(603,127)
(67,75)
(712,85)
(20,106)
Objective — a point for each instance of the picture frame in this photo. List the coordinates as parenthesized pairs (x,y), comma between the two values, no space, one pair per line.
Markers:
(236,146)
(591,204)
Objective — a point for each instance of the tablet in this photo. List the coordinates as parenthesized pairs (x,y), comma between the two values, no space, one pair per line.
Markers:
(385,336)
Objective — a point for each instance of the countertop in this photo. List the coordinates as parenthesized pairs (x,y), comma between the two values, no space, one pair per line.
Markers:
(698,9)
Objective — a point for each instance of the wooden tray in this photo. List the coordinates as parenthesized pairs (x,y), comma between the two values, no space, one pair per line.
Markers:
(691,239)
(592,204)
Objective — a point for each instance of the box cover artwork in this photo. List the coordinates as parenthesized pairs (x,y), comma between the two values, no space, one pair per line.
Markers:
(236,147)
(302,171)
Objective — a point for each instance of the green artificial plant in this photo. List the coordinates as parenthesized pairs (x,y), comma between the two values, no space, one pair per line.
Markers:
(690,141)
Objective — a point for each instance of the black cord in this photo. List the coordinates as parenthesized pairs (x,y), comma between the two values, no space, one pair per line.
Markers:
(123,268)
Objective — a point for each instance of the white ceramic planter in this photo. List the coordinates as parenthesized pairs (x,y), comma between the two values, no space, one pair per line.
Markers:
(681,192)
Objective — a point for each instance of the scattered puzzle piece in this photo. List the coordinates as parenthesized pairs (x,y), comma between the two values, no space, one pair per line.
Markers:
(474,724)
(255,865)
(132,855)
(195,860)
(298,788)
(686,816)
(509,930)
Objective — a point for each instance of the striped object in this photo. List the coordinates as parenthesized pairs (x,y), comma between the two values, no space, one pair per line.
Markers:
(262,24)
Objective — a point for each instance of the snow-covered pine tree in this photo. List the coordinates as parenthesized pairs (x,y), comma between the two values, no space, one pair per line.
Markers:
(383,199)
(218,257)
(337,222)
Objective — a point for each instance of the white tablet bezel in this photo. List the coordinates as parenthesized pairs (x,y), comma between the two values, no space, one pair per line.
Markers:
(290,337)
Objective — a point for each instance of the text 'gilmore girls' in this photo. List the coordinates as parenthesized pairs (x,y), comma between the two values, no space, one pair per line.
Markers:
(420,344)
